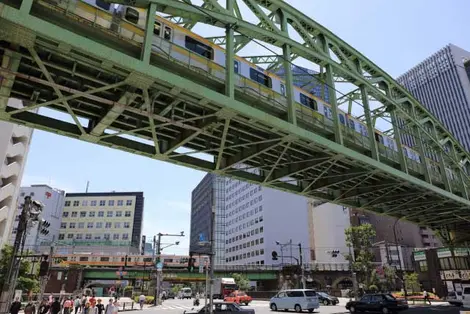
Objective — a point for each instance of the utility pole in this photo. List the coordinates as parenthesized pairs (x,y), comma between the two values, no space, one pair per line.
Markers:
(30,212)
(44,279)
(302,275)
(211,256)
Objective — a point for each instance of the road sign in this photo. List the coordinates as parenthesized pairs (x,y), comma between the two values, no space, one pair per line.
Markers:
(201,269)
(159,266)
(201,237)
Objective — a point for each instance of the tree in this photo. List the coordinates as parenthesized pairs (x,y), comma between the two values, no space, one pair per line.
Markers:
(390,277)
(26,280)
(242,282)
(359,238)
(412,282)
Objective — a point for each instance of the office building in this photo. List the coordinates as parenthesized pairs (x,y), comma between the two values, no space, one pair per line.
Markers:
(53,200)
(442,84)
(208,196)
(14,147)
(107,223)
(308,80)
(327,235)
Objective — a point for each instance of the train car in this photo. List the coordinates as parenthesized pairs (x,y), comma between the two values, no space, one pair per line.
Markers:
(182,45)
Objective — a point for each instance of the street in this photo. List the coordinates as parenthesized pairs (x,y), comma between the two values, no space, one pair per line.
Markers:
(262,307)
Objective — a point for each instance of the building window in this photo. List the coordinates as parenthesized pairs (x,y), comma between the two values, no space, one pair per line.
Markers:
(88,236)
(72,225)
(127,213)
(118,213)
(91,214)
(61,236)
(82,214)
(106,236)
(69,236)
(129,203)
(116,236)
(64,214)
(120,203)
(101,214)
(74,214)
(109,213)
(108,225)
(99,225)
(111,203)
(97,237)
(89,225)
(125,236)
(127,225)
(102,203)
(63,225)
(84,203)
(117,225)
(78,236)
(67,203)
(93,203)
(81,225)
(76,203)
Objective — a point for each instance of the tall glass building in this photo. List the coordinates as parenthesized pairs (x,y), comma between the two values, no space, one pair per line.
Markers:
(208,196)
(307,80)
(442,84)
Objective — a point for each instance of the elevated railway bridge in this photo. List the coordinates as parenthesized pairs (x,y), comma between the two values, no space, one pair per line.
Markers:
(82,71)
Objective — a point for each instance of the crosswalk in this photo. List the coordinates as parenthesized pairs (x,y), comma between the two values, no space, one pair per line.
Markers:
(171,305)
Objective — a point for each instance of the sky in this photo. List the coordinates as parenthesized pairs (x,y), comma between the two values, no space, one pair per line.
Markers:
(395,35)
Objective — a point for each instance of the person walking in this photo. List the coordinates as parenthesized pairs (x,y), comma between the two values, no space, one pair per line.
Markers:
(30,308)
(15,306)
(55,306)
(109,308)
(68,306)
(141,301)
(44,307)
(100,307)
(426,297)
(77,304)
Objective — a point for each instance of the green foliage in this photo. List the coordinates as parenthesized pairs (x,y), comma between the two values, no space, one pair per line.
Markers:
(242,282)
(412,282)
(26,281)
(148,299)
(360,239)
(373,288)
(176,288)
(390,277)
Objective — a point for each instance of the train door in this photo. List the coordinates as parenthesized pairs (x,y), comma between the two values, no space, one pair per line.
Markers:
(162,38)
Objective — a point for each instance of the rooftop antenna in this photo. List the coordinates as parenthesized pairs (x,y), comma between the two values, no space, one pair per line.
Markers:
(87,186)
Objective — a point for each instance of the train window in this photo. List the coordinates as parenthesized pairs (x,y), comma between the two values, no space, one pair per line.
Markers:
(327,112)
(147,259)
(283,90)
(351,124)
(308,102)
(84,259)
(379,138)
(405,152)
(260,77)
(341,119)
(157,29)
(236,64)
(104,5)
(132,15)
(199,48)
(167,33)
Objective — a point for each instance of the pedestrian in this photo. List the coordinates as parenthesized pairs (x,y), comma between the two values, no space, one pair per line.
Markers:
(68,306)
(92,309)
(109,308)
(141,301)
(77,304)
(55,306)
(83,303)
(426,297)
(100,307)
(86,308)
(115,307)
(15,306)
(92,301)
(44,307)
(30,309)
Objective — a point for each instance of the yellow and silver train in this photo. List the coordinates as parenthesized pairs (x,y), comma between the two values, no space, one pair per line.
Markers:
(186,47)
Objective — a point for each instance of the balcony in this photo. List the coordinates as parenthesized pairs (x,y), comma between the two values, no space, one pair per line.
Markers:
(4,212)
(10,170)
(21,131)
(7,191)
(16,149)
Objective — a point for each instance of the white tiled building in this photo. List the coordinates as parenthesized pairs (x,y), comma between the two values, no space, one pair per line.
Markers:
(14,146)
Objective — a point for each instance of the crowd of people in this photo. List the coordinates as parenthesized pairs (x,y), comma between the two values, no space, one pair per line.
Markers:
(82,305)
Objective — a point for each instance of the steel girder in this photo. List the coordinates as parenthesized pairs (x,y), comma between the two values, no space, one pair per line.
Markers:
(153,110)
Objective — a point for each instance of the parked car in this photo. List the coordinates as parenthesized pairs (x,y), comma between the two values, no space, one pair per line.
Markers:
(295,299)
(384,303)
(326,299)
(221,308)
(238,297)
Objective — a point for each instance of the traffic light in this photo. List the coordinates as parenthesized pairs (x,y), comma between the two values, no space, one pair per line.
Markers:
(142,246)
(44,266)
(44,227)
(334,253)
(191,261)
(274,255)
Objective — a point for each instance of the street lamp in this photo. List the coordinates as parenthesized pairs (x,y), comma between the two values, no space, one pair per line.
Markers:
(298,260)
(282,246)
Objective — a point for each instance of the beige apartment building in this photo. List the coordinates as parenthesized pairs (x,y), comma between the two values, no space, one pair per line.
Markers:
(101,223)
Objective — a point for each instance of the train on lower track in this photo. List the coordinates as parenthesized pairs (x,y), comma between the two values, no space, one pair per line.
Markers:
(137,261)
(183,46)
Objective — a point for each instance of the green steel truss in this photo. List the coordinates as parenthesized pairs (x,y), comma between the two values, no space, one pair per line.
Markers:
(120,95)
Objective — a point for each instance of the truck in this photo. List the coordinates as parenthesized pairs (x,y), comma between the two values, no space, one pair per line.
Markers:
(222,287)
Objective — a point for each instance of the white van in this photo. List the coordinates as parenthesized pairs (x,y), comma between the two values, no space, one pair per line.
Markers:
(187,293)
(466,296)
(295,299)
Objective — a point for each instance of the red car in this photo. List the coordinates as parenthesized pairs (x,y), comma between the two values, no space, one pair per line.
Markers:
(238,297)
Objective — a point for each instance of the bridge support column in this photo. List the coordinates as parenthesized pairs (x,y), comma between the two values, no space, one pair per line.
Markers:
(442,164)
(26,6)
(148,35)
(286,53)
(460,175)
(10,61)
(397,133)
(332,94)
(229,56)
(370,125)
(420,145)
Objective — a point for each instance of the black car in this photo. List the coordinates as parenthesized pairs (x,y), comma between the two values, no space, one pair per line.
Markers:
(384,303)
(222,308)
(326,299)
